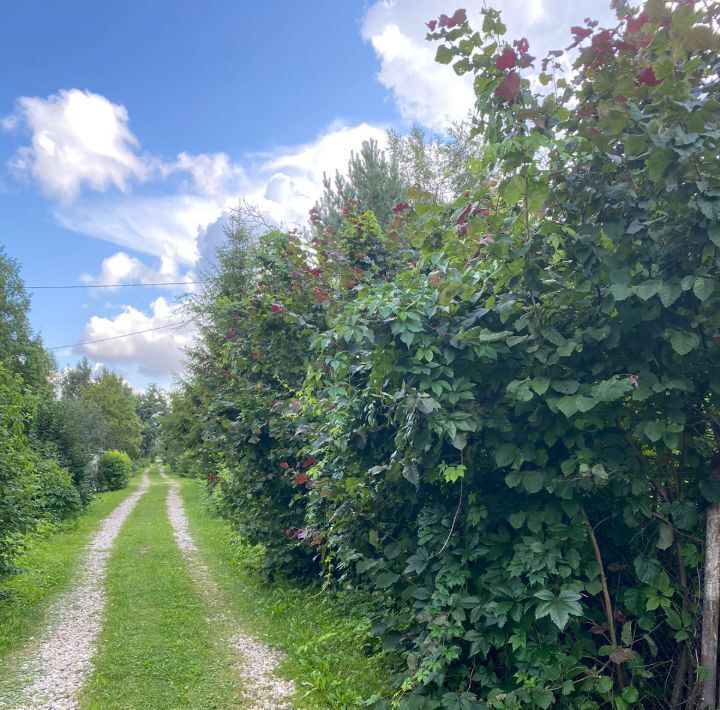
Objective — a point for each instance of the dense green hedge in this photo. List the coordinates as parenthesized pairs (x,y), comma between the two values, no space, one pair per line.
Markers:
(498,414)
(113,470)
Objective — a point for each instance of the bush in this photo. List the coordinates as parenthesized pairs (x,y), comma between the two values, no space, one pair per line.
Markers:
(55,497)
(113,472)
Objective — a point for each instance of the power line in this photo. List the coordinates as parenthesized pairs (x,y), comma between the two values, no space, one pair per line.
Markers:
(124,335)
(164,283)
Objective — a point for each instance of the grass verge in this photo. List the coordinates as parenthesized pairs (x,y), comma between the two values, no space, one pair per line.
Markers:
(326,639)
(46,568)
(156,649)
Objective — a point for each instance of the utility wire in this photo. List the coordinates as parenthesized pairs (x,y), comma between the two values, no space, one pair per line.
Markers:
(164,283)
(124,335)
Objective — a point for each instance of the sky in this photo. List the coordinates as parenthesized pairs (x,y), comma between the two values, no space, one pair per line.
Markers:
(129,130)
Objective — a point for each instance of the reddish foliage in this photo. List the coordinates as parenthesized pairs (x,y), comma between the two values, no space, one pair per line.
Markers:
(635,23)
(431,25)
(284,464)
(507,60)
(462,217)
(308,462)
(522,45)
(315,272)
(509,87)
(401,207)
(300,478)
(580,33)
(647,77)
(275,308)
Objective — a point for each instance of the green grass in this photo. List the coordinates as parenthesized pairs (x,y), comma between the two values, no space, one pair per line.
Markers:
(46,568)
(156,649)
(326,639)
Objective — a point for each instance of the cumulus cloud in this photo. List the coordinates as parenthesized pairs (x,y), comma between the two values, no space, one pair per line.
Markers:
(431,94)
(77,139)
(157,347)
(121,268)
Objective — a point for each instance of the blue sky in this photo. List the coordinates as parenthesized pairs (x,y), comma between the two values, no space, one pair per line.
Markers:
(128,129)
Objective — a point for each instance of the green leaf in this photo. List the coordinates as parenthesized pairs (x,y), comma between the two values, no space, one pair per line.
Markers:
(654,430)
(560,607)
(517,519)
(669,293)
(385,579)
(714,235)
(506,454)
(540,385)
(665,537)
(647,289)
(703,288)
(443,55)
(452,473)
(683,342)
(620,292)
(611,389)
(647,569)
(533,481)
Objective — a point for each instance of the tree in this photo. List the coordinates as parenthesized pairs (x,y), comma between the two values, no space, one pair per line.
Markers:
(372,182)
(20,349)
(76,380)
(116,404)
(150,406)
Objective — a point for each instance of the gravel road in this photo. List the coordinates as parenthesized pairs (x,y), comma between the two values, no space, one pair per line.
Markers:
(257,663)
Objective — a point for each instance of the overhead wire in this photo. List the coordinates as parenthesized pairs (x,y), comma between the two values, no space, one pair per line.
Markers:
(124,335)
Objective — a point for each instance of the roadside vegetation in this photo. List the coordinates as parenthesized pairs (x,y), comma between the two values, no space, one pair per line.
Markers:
(490,403)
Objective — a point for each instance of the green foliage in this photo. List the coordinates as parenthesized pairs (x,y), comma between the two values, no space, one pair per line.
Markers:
(510,407)
(372,182)
(150,406)
(116,403)
(113,470)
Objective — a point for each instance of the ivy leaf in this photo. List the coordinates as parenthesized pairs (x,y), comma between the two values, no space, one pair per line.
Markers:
(620,292)
(517,519)
(560,607)
(683,342)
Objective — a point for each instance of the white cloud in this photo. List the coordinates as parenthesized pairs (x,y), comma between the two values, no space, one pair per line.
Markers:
(78,139)
(431,94)
(123,268)
(156,353)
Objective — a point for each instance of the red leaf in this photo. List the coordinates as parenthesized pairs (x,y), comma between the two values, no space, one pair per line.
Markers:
(507,60)
(580,33)
(462,217)
(315,272)
(618,616)
(401,207)
(648,78)
(275,308)
(601,41)
(431,25)
(635,23)
(459,17)
(308,462)
(522,45)
(284,464)
(444,19)
(509,87)
(300,478)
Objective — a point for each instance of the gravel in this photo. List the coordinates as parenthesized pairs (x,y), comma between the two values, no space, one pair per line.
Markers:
(55,667)
(263,689)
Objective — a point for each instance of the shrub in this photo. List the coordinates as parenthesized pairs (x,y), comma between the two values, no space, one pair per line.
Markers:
(113,472)
(55,496)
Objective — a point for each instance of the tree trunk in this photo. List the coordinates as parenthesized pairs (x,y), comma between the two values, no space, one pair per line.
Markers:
(711,608)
